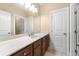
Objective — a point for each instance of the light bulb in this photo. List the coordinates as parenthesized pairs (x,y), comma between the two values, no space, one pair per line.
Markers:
(27,5)
(34,10)
(31,7)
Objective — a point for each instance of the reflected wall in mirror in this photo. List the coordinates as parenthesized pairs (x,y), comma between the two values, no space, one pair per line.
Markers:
(28,24)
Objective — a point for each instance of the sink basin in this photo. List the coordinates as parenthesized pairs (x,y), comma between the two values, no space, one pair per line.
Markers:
(33,36)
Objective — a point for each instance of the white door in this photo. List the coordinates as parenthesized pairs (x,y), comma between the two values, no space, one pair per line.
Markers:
(5,23)
(60,30)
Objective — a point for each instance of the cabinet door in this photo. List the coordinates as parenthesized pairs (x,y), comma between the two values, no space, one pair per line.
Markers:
(43,46)
(37,51)
(47,41)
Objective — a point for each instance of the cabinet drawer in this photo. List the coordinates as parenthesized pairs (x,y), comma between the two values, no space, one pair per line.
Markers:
(28,48)
(20,53)
(37,43)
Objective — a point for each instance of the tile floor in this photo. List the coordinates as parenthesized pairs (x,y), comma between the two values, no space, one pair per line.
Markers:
(53,53)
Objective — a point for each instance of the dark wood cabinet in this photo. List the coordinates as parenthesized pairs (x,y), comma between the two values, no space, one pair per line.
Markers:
(19,53)
(37,48)
(45,44)
(27,51)
(37,51)
(47,41)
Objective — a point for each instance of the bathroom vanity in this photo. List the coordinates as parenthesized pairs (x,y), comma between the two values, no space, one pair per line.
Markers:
(36,45)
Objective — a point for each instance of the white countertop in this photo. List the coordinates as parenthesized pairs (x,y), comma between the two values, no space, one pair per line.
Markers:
(10,46)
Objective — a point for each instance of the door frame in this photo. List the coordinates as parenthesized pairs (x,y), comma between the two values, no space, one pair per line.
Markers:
(72,29)
(75,29)
(68,50)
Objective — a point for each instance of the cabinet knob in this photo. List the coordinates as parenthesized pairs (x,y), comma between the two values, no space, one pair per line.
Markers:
(24,54)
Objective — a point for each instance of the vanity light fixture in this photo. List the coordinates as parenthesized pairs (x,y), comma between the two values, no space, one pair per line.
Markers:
(21,4)
(29,6)
(32,8)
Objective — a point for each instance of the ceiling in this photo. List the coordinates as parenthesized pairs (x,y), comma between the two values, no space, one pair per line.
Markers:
(42,7)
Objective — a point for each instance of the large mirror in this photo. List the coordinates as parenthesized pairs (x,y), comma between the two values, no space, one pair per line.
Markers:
(23,24)
(19,25)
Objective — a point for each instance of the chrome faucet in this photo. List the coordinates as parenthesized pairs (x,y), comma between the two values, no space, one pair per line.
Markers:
(31,33)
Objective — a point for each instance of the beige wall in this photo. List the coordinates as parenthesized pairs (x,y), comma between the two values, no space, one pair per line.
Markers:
(36,24)
(43,21)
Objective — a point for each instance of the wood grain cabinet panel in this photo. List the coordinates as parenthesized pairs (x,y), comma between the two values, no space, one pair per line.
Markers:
(37,43)
(45,44)
(28,50)
(37,51)
(24,52)
(19,53)
(37,48)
